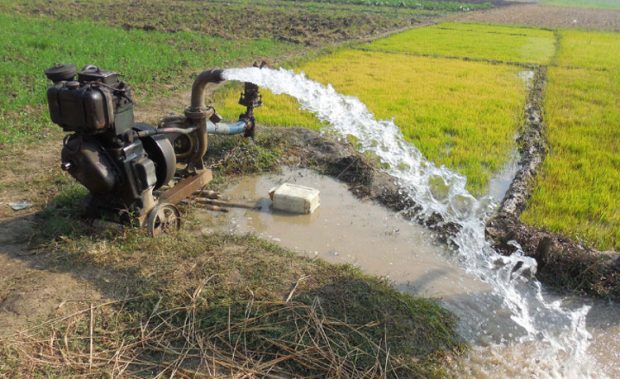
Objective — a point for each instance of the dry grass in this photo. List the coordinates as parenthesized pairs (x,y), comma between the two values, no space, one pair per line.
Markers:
(220,305)
(171,343)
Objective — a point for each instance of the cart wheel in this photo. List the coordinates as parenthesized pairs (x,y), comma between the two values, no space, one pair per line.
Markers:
(164,218)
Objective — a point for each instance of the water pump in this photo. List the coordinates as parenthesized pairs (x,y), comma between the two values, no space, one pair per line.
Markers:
(135,172)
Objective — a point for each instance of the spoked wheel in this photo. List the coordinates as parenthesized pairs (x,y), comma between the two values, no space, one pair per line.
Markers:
(164,218)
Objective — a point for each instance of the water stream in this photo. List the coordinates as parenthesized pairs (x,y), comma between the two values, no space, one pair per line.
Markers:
(550,338)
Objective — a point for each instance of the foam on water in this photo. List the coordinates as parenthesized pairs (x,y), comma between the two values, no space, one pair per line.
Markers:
(559,334)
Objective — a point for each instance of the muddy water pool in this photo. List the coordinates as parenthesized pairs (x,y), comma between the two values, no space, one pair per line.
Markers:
(345,229)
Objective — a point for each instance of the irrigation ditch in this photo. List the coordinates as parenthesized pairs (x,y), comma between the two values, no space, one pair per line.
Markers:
(562,262)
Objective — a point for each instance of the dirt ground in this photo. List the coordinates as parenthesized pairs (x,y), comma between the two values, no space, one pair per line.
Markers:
(546,17)
(296,23)
(29,290)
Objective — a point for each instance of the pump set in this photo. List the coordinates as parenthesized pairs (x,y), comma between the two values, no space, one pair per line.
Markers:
(136,173)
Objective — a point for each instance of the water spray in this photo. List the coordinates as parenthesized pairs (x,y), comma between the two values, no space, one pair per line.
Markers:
(439,191)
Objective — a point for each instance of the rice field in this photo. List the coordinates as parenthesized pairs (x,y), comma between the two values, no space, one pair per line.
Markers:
(473,41)
(590,50)
(461,114)
(465,113)
(578,189)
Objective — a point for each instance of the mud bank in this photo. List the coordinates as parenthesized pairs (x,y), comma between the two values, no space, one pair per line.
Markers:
(562,262)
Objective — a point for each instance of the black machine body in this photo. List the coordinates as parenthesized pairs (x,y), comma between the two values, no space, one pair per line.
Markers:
(134,172)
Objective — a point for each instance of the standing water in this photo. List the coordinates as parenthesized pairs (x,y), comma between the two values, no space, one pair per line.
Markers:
(558,334)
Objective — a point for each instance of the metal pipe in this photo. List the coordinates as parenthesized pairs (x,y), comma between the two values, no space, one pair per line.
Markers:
(201,82)
(226,129)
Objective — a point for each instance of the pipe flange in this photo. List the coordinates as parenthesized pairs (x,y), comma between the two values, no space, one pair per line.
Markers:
(196,114)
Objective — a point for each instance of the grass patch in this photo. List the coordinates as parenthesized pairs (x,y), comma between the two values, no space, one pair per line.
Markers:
(501,43)
(152,62)
(460,114)
(596,4)
(222,303)
(593,50)
(578,191)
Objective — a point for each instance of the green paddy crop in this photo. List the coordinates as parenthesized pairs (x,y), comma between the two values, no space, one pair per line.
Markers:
(593,50)
(578,191)
(460,114)
(473,41)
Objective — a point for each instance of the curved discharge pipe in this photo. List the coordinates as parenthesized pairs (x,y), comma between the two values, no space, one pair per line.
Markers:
(204,79)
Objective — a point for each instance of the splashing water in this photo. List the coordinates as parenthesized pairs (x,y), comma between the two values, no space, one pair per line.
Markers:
(559,335)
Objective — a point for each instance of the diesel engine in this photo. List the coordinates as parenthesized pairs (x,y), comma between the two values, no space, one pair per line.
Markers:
(135,172)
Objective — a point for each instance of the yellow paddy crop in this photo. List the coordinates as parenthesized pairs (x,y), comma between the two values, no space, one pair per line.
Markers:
(476,41)
(460,114)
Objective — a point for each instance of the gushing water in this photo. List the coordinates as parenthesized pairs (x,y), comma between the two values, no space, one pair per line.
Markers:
(559,335)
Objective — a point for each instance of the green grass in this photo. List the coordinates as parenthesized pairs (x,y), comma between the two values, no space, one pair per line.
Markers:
(597,4)
(460,114)
(578,191)
(152,62)
(500,43)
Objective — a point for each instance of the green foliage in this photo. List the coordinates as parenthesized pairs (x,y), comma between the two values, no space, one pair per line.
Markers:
(502,43)
(150,61)
(242,156)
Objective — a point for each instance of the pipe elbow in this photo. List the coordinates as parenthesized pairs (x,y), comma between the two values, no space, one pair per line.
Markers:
(202,81)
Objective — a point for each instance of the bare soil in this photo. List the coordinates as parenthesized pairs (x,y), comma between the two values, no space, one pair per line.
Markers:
(285,21)
(546,17)
(29,290)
